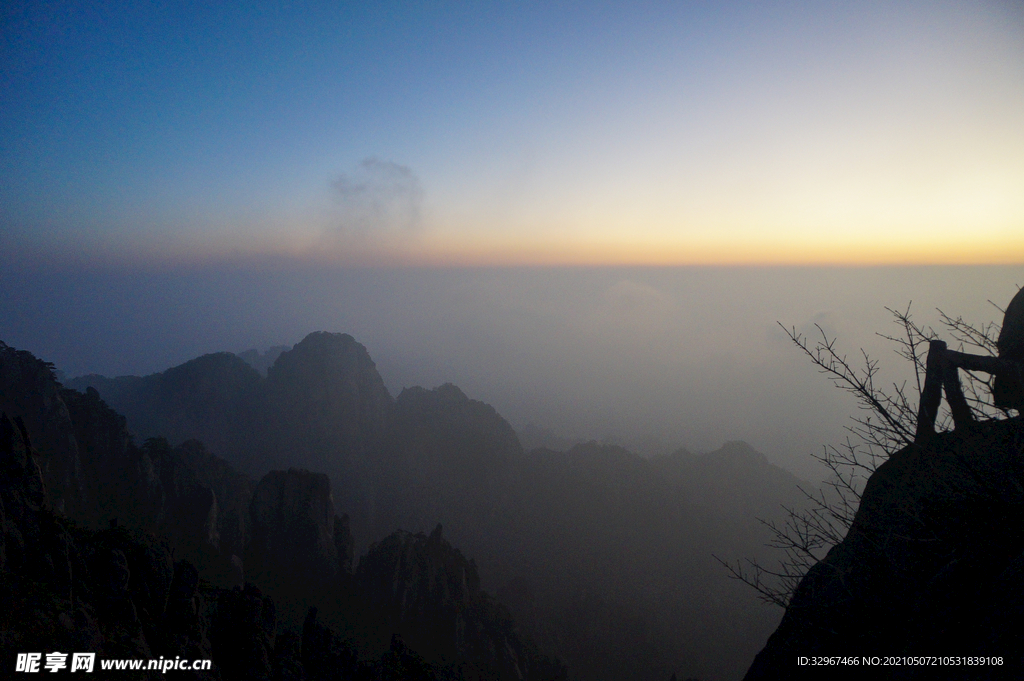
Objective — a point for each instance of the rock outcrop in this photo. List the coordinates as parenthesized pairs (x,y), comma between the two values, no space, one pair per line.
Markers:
(330,397)
(298,545)
(231,489)
(108,471)
(184,494)
(331,406)
(65,588)
(933,564)
(429,595)
(1008,391)
(29,390)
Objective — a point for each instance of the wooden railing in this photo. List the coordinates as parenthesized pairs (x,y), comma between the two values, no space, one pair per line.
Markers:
(942,375)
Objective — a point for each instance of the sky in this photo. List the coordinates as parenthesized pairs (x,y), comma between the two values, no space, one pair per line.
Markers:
(593,216)
(431,134)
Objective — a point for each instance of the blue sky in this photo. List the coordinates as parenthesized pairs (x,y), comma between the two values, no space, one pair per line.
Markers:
(479,133)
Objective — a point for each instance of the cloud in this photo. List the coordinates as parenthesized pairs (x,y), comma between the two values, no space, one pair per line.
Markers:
(378,198)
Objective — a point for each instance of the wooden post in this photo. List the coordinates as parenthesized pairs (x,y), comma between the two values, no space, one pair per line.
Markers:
(962,417)
(931,394)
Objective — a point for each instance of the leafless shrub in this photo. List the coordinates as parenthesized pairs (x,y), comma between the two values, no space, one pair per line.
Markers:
(885,422)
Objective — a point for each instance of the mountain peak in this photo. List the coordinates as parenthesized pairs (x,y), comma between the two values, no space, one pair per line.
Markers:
(338,350)
(326,338)
(737,450)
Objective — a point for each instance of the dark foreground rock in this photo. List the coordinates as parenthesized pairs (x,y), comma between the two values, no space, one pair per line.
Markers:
(933,565)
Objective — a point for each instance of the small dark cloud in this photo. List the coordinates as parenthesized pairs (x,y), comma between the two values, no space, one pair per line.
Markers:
(378,197)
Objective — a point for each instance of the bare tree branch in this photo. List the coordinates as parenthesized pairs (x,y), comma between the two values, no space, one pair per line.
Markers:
(886,424)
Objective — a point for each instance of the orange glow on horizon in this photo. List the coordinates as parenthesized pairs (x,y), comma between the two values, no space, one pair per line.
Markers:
(641,251)
(438,247)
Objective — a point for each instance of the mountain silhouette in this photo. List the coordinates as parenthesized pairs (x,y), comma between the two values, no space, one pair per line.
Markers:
(604,557)
(165,576)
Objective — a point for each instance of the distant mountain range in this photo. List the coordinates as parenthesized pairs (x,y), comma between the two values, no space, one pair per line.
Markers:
(602,556)
(160,551)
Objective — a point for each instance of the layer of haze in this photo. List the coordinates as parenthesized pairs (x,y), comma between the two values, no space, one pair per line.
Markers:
(649,357)
(519,133)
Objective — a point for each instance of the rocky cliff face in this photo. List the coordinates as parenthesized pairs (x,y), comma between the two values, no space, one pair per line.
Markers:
(23,496)
(95,475)
(932,565)
(429,595)
(232,491)
(119,592)
(197,502)
(65,588)
(330,397)
(107,474)
(29,390)
(298,544)
(331,405)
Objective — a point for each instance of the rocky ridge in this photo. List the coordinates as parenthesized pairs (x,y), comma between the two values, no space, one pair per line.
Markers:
(177,521)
